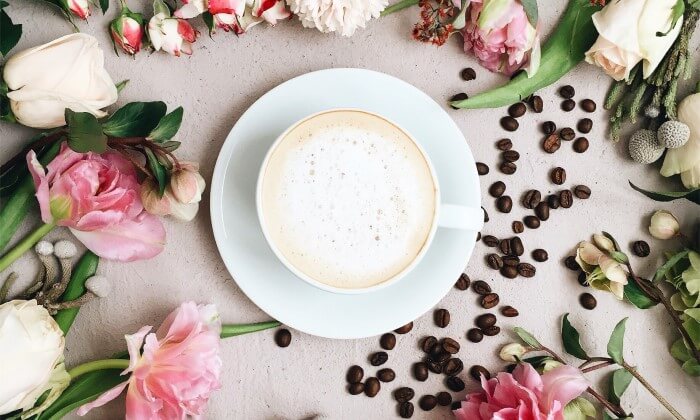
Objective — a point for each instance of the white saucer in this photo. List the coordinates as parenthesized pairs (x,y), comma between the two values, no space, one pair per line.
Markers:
(252,263)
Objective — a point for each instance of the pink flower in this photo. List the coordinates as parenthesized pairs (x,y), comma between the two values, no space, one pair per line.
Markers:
(236,15)
(97,197)
(178,370)
(524,395)
(127,32)
(172,35)
(181,197)
(80,8)
(499,34)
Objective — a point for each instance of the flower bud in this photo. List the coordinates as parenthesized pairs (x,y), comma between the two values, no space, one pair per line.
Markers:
(550,364)
(187,184)
(172,35)
(512,352)
(151,199)
(664,225)
(603,242)
(80,8)
(127,31)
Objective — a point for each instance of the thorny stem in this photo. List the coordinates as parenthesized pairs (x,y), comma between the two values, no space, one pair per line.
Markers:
(652,391)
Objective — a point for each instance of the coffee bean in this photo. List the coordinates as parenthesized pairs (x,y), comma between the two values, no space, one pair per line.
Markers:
(510,155)
(378,358)
(509,272)
(516,245)
(504,144)
(517,110)
(537,104)
(641,249)
(444,399)
(372,387)
(568,105)
(427,402)
(450,345)
(584,125)
(567,133)
(526,270)
(387,341)
(475,335)
(492,330)
(581,145)
(406,410)
(505,248)
(404,329)
(404,394)
(509,123)
(442,318)
(587,301)
(567,92)
(588,105)
(518,227)
(468,74)
(582,192)
(454,384)
(553,201)
(571,263)
(497,189)
(486,215)
(481,287)
(542,211)
(485,320)
(510,260)
(478,371)
(435,367)
(504,204)
(509,311)
(490,240)
(531,198)
(558,175)
(489,301)
(532,222)
(356,388)
(494,261)
(428,343)
(420,371)
(482,168)
(582,279)
(551,143)
(549,127)
(566,199)
(437,354)
(355,374)
(453,367)
(508,168)
(283,337)
(463,282)
(386,375)
(540,255)
(458,97)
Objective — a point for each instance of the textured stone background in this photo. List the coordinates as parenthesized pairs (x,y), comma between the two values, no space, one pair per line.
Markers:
(261,381)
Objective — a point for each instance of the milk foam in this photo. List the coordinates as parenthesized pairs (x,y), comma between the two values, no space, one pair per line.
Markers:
(348,199)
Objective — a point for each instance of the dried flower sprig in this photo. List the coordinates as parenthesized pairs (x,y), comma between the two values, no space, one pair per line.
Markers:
(435,26)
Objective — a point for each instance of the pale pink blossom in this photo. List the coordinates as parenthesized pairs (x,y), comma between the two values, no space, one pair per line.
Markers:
(172,35)
(127,32)
(97,197)
(236,15)
(80,8)
(181,197)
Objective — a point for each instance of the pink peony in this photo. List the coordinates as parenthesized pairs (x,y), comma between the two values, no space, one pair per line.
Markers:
(499,34)
(178,370)
(524,395)
(98,198)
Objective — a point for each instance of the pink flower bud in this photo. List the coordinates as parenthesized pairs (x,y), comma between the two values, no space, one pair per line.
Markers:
(127,32)
(172,35)
(80,8)
(187,184)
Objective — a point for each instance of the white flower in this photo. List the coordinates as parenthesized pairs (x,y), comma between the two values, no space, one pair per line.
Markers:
(512,352)
(65,73)
(172,35)
(31,350)
(685,160)
(663,225)
(343,16)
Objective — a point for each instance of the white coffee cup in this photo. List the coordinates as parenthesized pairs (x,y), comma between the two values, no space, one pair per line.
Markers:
(442,215)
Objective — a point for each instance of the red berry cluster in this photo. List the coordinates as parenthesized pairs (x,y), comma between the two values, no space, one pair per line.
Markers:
(436,21)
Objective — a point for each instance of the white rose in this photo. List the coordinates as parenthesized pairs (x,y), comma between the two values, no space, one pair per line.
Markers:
(685,160)
(627,35)
(31,351)
(65,73)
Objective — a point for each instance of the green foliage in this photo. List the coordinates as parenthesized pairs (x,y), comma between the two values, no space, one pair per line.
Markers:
(619,381)
(636,297)
(663,196)
(158,170)
(135,119)
(84,132)
(167,126)
(615,345)
(579,409)
(10,33)
(85,268)
(662,271)
(528,338)
(571,339)
(530,7)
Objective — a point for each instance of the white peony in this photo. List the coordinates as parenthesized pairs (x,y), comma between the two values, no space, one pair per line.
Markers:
(343,16)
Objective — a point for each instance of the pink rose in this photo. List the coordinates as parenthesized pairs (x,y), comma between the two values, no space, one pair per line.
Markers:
(80,8)
(97,197)
(178,370)
(236,15)
(127,32)
(524,395)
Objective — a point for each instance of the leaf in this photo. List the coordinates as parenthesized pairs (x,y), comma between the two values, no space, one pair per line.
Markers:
(10,33)
(208,19)
(170,146)
(167,126)
(636,297)
(536,361)
(615,344)
(668,265)
(620,257)
(619,381)
(84,132)
(691,367)
(159,172)
(531,11)
(85,268)
(680,351)
(579,409)
(104,5)
(528,338)
(676,13)
(663,196)
(135,119)
(694,4)
(571,339)
(121,85)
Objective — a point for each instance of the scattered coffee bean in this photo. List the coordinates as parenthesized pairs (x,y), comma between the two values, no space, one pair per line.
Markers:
(518,227)
(455,384)
(378,358)
(504,144)
(509,123)
(549,127)
(582,192)
(492,330)
(372,387)
(584,125)
(485,320)
(551,143)
(567,133)
(571,263)
(526,270)
(428,343)
(497,189)
(568,105)
(558,175)
(450,346)
(531,198)
(504,204)
(490,240)
(478,371)
(566,199)
(486,215)
(463,282)
(508,168)
(404,394)
(489,301)
(453,367)
(641,249)
(388,341)
(420,371)
(404,329)
(481,287)
(532,222)
(542,211)
(510,155)
(494,261)
(482,168)
(444,399)
(553,201)
(427,402)
(468,74)
(511,260)
(442,318)
(517,246)
(505,247)
(355,374)
(434,366)
(567,91)
(540,255)
(537,104)
(437,354)
(588,105)
(386,375)
(509,311)
(587,301)
(356,388)
(283,337)
(406,410)
(582,279)
(581,145)
(517,110)
(475,335)
(509,272)
(458,97)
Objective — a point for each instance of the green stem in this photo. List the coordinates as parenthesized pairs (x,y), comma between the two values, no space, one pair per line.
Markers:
(232,330)
(652,391)
(697,88)
(93,366)
(25,245)
(403,4)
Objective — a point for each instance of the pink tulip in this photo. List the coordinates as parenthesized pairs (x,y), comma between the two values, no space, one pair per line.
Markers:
(178,370)
(97,197)
(80,8)
(524,395)
(127,32)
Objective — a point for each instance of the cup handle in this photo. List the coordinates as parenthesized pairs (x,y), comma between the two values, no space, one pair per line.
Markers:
(460,217)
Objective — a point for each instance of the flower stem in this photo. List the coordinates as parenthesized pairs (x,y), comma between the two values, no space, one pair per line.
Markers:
(88,367)
(232,330)
(25,245)
(697,88)
(652,391)
(402,4)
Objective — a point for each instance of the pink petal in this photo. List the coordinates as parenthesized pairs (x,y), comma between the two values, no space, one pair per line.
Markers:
(102,399)
(133,345)
(41,185)
(561,384)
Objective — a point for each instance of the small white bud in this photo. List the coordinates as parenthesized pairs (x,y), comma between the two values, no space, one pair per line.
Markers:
(511,352)
(644,147)
(100,286)
(603,242)
(550,364)
(673,134)
(65,249)
(44,248)
(664,225)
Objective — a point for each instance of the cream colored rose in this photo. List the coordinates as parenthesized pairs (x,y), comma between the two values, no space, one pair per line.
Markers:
(65,73)
(685,160)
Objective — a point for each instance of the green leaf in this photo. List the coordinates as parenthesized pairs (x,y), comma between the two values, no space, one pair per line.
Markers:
(536,361)
(663,196)
(159,172)
(615,345)
(691,367)
(579,409)
(135,119)
(571,339)
(85,268)
(668,265)
(170,146)
(104,5)
(208,19)
(635,296)
(620,257)
(531,11)
(676,13)
(528,338)
(694,4)
(121,85)
(84,132)
(10,33)
(680,351)
(167,127)
(619,381)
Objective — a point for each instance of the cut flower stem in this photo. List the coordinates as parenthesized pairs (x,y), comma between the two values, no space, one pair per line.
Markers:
(25,245)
